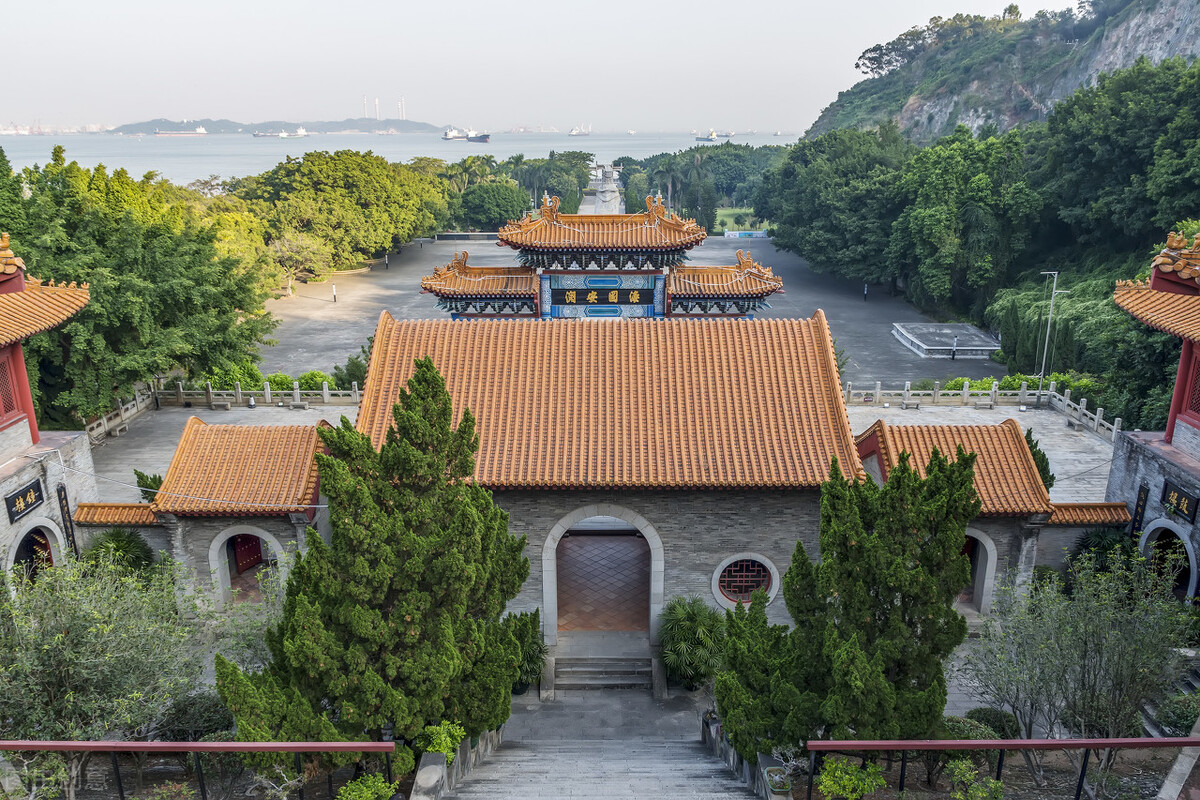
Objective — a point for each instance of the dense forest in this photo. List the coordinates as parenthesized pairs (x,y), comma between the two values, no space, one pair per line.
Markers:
(965,227)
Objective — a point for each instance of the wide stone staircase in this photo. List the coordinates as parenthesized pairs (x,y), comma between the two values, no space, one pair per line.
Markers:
(602,673)
(608,769)
(1189,683)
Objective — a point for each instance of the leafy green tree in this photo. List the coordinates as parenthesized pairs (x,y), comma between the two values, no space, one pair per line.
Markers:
(12,207)
(91,651)
(149,484)
(357,204)
(355,370)
(297,254)
(163,297)
(396,623)
(490,206)
(311,381)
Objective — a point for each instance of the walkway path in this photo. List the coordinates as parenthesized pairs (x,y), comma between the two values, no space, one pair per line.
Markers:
(603,744)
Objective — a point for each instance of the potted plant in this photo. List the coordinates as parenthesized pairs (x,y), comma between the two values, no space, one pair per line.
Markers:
(778,781)
(527,629)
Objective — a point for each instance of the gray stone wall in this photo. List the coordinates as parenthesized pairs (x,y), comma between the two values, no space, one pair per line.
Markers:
(1186,437)
(15,438)
(61,457)
(1142,458)
(1054,543)
(192,540)
(698,529)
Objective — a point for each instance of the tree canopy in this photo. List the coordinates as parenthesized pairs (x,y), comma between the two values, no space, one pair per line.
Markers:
(396,623)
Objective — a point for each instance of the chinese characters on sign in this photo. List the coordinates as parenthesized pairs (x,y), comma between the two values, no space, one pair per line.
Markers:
(584,297)
(24,500)
(1139,509)
(1175,498)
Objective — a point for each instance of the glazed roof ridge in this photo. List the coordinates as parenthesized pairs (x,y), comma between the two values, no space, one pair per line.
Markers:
(652,229)
(459,279)
(746,278)
(115,514)
(665,403)
(1090,514)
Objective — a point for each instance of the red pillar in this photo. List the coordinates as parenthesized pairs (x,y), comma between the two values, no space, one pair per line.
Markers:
(16,360)
(1179,397)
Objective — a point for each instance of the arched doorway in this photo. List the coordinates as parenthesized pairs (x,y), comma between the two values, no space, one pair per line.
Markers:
(238,556)
(602,570)
(1166,542)
(33,551)
(981,551)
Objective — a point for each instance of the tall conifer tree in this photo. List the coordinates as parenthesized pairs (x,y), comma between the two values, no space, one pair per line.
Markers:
(874,620)
(396,623)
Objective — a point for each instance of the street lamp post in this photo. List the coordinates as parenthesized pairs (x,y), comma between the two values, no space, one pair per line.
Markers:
(1054,292)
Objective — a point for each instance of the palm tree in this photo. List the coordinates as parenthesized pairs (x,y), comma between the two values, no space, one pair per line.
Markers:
(668,173)
(697,173)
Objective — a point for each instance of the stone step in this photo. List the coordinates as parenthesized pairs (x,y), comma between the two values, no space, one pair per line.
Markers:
(614,770)
(602,673)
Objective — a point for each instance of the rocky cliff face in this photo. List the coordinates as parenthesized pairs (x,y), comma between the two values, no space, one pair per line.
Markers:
(1019,76)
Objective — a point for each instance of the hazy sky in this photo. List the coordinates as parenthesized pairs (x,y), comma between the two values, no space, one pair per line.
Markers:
(614,64)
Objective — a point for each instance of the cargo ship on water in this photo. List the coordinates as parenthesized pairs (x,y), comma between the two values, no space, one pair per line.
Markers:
(197,131)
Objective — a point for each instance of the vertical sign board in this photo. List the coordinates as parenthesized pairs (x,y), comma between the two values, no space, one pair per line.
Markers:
(24,500)
(1139,509)
(64,508)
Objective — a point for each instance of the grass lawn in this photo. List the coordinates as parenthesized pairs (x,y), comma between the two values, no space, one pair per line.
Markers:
(725,219)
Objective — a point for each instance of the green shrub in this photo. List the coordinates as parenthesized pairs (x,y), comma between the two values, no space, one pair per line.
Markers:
(692,636)
(965,783)
(935,761)
(527,629)
(1103,542)
(311,381)
(281,382)
(195,715)
(122,547)
(245,373)
(980,385)
(441,738)
(368,787)
(223,772)
(1002,722)
(842,780)
(1178,713)
(355,370)
(1041,574)
(169,791)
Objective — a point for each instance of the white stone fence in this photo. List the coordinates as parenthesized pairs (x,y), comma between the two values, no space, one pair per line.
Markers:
(116,422)
(266,395)
(1075,411)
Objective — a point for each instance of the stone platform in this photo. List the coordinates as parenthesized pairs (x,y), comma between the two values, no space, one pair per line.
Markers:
(949,340)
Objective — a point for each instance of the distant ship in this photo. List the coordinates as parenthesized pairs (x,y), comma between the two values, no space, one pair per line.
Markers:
(481,138)
(453,133)
(778,133)
(580,132)
(198,131)
(712,137)
(631,131)
(299,134)
(728,135)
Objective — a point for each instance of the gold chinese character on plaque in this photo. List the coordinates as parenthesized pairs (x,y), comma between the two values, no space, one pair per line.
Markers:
(31,497)
(591,298)
(20,504)
(634,296)
(570,297)
(1173,498)
(1183,506)
(612,296)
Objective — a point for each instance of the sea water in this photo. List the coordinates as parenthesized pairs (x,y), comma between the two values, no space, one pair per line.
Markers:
(183,159)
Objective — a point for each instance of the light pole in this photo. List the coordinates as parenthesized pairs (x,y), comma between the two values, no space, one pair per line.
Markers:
(1054,292)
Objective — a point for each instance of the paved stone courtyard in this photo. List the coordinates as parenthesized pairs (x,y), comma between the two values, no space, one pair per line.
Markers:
(317,333)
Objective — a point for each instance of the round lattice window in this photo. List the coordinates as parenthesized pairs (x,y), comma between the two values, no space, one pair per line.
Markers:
(742,577)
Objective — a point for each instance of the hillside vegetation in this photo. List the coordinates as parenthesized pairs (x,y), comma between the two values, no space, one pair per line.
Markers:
(965,226)
(1003,71)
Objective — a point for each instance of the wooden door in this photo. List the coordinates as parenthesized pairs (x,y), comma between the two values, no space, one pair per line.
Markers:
(247,552)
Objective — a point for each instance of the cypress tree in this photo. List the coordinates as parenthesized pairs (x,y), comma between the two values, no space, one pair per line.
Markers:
(874,620)
(1040,459)
(12,204)
(396,623)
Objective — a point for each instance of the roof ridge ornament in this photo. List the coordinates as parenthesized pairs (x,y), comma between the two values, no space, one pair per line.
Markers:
(1177,257)
(549,209)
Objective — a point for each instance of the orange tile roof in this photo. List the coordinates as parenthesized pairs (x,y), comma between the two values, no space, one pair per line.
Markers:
(652,229)
(240,470)
(135,514)
(747,278)
(1090,514)
(457,279)
(38,308)
(1006,477)
(1177,314)
(667,403)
